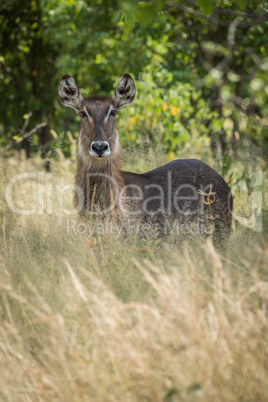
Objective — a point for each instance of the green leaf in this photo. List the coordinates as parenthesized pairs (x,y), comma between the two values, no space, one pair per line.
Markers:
(129,24)
(242,4)
(206,6)
(146,14)
(34,25)
(117,16)
(129,6)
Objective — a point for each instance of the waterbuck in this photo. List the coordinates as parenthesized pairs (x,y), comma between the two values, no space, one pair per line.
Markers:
(186,191)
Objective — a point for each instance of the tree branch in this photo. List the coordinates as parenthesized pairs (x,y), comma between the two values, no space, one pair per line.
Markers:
(26,135)
(242,24)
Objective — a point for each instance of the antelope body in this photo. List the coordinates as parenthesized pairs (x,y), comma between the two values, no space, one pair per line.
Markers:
(184,190)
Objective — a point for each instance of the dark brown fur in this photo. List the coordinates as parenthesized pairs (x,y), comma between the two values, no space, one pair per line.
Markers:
(101,183)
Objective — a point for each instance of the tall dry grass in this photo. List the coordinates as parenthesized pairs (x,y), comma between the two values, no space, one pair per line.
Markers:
(109,318)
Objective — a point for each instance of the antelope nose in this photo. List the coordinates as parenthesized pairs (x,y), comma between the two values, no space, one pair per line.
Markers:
(100,147)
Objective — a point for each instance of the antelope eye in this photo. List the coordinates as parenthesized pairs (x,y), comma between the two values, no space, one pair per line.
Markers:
(113,112)
(82,114)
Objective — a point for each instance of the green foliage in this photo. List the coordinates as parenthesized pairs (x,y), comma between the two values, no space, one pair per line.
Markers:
(167,116)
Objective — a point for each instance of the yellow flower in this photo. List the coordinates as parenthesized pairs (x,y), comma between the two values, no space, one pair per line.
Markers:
(133,120)
(164,107)
(132,137)
(173,110)
(171,156)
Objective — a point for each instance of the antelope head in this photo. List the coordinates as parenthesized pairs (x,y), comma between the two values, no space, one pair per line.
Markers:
(98,139)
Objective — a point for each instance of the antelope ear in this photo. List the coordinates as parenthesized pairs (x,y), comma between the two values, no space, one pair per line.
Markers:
(125,92)
(69,93)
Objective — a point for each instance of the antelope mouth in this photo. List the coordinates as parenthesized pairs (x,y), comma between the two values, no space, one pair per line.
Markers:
(102,156)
